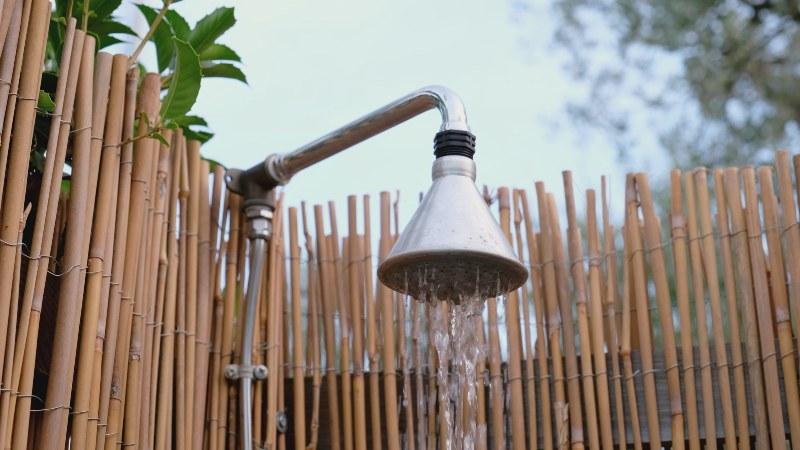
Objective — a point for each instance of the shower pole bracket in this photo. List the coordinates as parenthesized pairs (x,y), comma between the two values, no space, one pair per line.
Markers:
(258,183)
(235,372)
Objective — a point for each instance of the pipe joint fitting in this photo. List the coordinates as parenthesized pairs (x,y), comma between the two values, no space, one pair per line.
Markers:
(259,220)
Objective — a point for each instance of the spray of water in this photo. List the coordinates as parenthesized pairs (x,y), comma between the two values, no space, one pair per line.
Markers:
(457,335)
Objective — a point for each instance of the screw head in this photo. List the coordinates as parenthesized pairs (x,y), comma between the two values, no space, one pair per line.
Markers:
(231,372)
(282,422)
(260,372)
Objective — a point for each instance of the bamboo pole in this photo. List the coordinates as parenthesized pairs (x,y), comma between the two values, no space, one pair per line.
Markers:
(142,165)
(163,411)
(610,305)
(314,335)
(517,409)
(97,252)
(193,158)
(554,324)
(596,317)
(712,280)
(652,238)
(218,242)
(15,93)
(530,385)
(6,8)
(19,145)
(118,262)
(65,338)
(275,316)
(339,283)
(576,256)
(232,255)
(8,53)
(388,360)
(16,288)
(111,150)
(679,249)
(298,377)
(780,303)
(742,425)
(709,421)
(373,355)
(8,56)
(747,305)
(182,300)
(204,310)
(541,343)
(626,335)
(41,241)
(763,310)
(357,310)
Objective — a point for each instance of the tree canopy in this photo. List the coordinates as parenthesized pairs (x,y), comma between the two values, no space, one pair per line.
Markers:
(718,82)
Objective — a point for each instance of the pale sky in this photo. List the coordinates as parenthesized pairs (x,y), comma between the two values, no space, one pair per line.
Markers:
(313,66)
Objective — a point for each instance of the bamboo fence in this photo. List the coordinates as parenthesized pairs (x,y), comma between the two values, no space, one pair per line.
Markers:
(667,324)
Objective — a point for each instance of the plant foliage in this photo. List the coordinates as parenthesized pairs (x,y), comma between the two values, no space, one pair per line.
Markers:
(185,55)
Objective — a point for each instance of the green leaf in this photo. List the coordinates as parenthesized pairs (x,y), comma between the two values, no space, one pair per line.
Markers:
(219,52)
(109,26)
(211,27)
(65,185)
(202,136)
(162,38)
(160,137)
(224,71)
(104,8)
(185,121)
(45,102)
(180,27)
(213,164)
(184,84)
(106,41)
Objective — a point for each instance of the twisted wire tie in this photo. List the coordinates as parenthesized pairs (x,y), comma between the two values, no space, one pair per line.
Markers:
(66,272)
(46,410)
(633,375)
(78,130)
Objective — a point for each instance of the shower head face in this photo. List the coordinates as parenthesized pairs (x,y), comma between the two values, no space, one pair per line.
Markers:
(452,248)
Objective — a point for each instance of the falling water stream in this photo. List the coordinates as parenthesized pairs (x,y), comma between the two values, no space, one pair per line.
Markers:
(458,340)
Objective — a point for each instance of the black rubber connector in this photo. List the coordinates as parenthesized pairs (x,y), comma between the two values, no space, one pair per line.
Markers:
(454,142)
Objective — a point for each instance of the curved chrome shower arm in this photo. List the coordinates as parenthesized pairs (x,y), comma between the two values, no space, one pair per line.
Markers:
(278,169)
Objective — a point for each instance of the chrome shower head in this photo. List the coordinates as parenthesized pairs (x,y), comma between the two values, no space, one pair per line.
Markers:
(453,247)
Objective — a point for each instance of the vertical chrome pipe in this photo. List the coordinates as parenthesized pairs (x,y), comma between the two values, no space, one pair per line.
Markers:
(259,221)
(258,249)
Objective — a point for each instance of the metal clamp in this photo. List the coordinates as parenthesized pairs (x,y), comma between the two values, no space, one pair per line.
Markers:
(234,372)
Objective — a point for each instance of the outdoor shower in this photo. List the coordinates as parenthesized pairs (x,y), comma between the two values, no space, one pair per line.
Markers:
(451,248)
